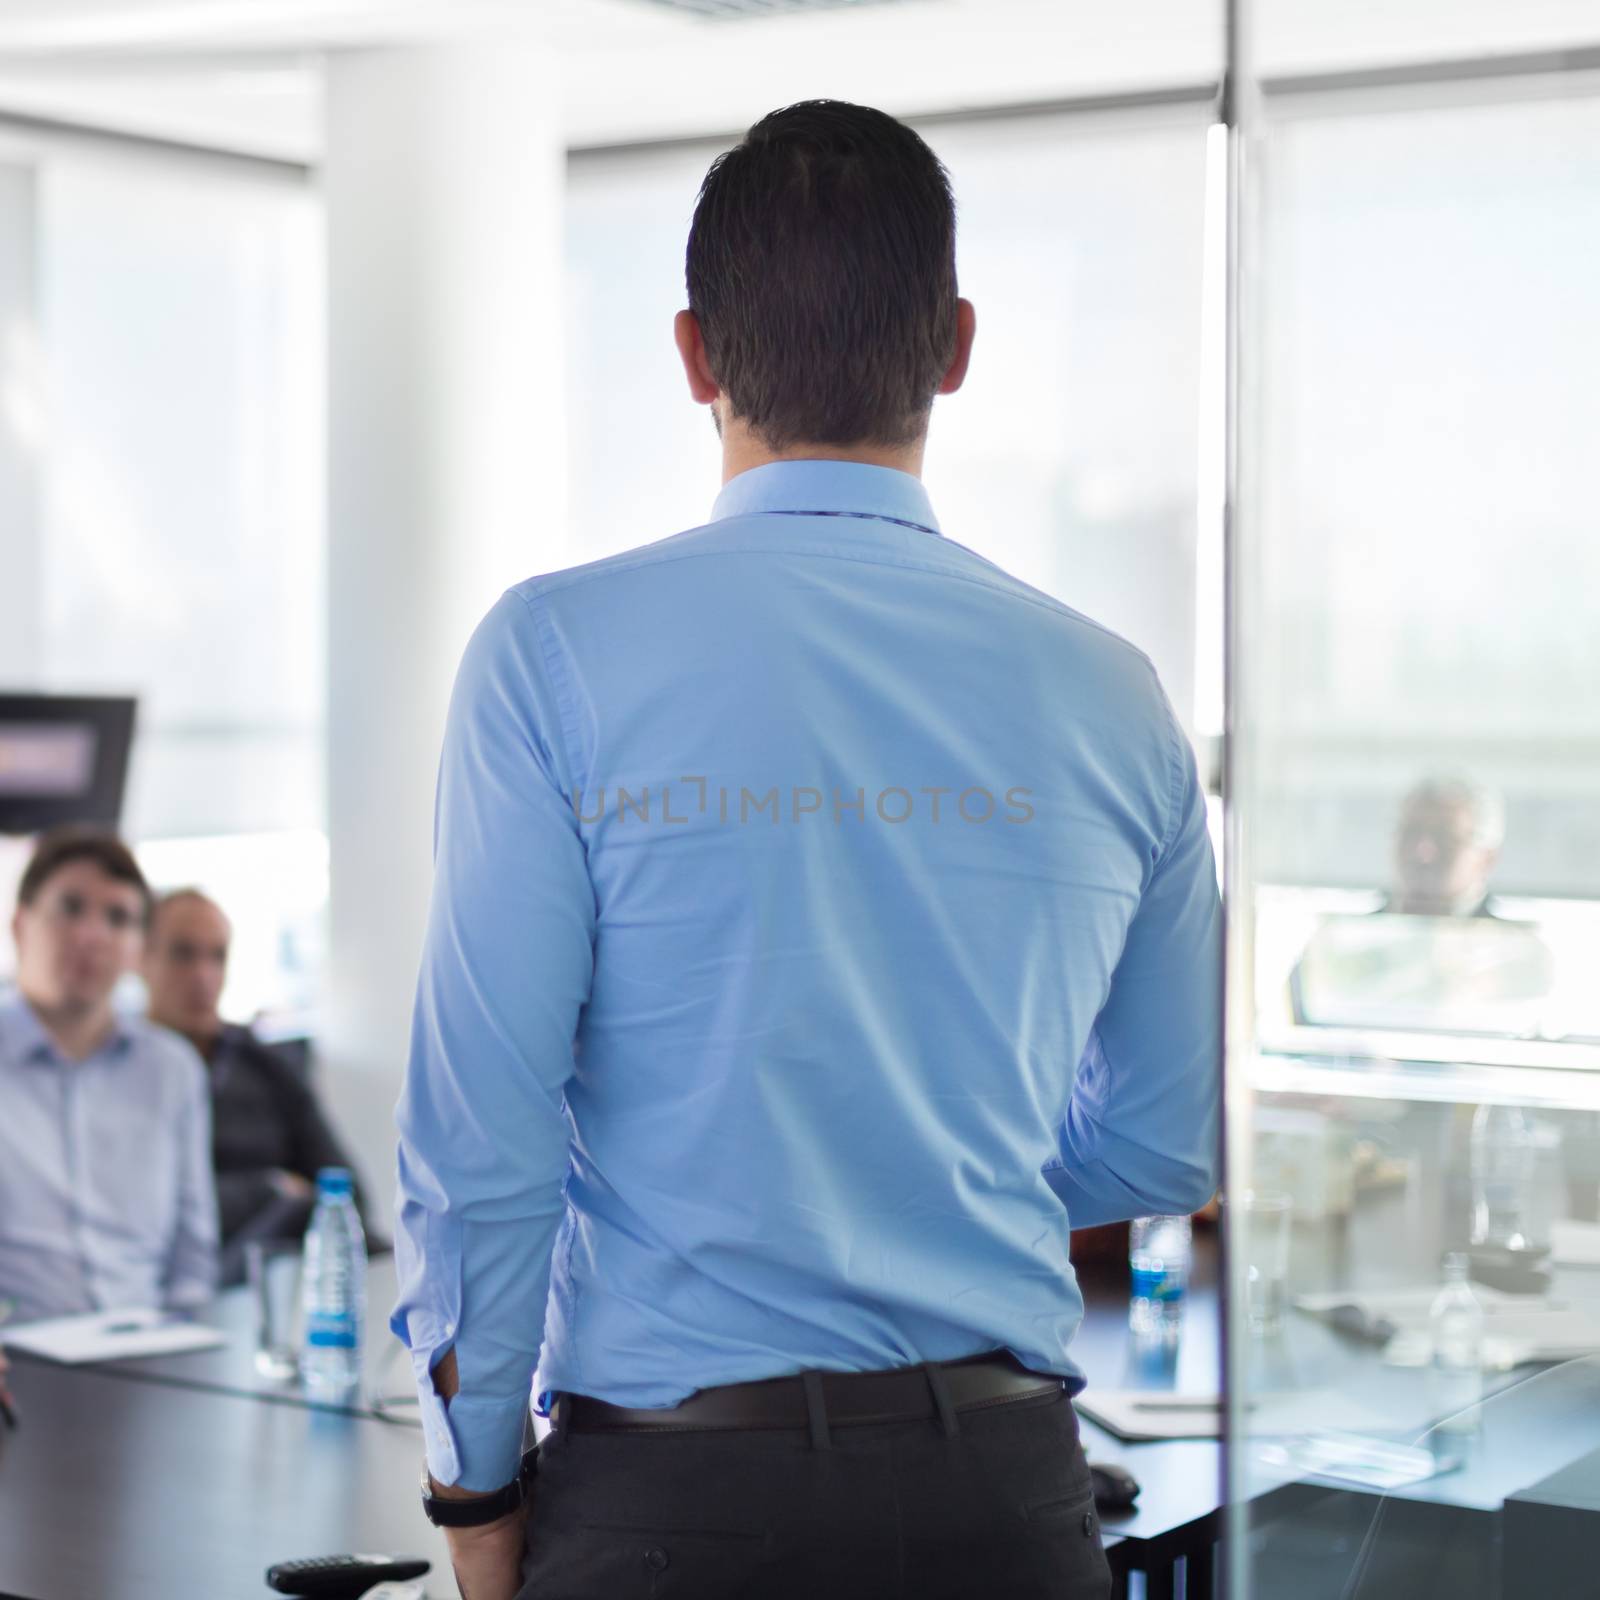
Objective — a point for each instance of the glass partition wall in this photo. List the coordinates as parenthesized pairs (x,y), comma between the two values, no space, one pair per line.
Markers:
(1414,1111)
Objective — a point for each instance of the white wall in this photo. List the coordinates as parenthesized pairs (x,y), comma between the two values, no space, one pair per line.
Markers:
(21,425)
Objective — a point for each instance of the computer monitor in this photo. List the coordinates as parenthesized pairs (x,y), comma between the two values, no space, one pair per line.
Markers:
(63,758)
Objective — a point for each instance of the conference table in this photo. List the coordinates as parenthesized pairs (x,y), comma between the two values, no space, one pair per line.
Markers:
(188,1475)
(113,1487)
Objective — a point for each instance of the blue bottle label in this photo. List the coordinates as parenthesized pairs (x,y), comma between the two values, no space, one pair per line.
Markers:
(327,1331)
(1156,1283)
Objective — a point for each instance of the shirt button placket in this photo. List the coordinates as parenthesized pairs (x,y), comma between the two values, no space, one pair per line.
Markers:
(77,1175)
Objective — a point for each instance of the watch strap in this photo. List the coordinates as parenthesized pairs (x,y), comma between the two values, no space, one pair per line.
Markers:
(473,1513)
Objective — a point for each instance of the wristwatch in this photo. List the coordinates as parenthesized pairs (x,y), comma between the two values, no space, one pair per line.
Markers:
(473,1513)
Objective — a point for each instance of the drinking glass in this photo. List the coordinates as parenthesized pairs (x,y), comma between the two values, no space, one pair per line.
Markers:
(274,1282)
(1261,1232)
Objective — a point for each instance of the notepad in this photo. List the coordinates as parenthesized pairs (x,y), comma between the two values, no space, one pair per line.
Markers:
(112,1336)
(1139,1416)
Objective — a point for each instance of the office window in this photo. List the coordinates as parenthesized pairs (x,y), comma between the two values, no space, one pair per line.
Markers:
(1429,536)
(163,364)
(643,460)
(181,537)
(1425,655)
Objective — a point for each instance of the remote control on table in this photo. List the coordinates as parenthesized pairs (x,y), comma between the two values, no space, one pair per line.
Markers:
(341,1577)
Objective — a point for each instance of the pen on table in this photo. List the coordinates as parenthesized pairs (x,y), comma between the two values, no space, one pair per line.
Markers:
(1195,1404)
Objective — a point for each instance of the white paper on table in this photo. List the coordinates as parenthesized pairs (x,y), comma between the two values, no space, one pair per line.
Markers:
(1140,1415)
(111,1336)
(1541,1333)
(1575,1244)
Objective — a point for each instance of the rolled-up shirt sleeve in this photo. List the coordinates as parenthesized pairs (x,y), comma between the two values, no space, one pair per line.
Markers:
(1142,1131)
(505,972)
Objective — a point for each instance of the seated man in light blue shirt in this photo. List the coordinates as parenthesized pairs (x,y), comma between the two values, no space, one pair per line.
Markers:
(824,923)
(106,1193)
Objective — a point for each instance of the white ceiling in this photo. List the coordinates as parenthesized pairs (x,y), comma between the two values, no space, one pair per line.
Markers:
(245,74)
(187,26)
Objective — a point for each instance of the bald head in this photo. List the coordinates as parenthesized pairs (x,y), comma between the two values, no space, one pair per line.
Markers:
(1446,845)
(186,964)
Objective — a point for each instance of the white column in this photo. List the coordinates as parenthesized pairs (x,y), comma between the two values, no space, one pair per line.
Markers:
(446,465)
(21,433)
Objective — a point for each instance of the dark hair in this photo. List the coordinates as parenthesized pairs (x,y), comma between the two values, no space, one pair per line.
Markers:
(821,267)
(74,842)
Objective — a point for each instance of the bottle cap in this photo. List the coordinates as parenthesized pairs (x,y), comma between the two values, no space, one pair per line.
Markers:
(334,1181)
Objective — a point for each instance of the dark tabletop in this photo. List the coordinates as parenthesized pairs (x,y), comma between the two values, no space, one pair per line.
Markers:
(113,1489)
(1181,1480)
(203,1471)
(200,1471)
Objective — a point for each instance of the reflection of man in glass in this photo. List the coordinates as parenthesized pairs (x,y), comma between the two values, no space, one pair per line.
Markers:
(1446,845)
(1434,958)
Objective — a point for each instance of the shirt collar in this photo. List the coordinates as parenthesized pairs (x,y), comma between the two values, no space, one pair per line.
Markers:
(827,489)
(26,1038)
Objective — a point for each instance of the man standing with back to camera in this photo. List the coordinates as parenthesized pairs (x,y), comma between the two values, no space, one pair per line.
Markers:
(823,923)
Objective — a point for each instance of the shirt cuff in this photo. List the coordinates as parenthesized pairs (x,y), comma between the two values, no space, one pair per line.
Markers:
(471,1443)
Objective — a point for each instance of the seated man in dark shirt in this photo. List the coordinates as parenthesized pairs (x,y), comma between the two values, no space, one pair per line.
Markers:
(269,1135)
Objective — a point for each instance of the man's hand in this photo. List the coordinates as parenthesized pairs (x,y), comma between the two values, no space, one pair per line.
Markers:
(292,1186)
(487,1560)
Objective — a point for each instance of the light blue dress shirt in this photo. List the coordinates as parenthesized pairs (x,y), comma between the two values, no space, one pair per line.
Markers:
(823,923)
(106,1191)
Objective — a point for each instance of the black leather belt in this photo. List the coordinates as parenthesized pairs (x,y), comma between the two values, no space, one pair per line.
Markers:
(848,1398)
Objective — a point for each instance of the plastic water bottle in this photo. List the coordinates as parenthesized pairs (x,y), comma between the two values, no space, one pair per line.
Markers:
(1502,1176)
(1456,1387)
(1159,1251)
(334,1290)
